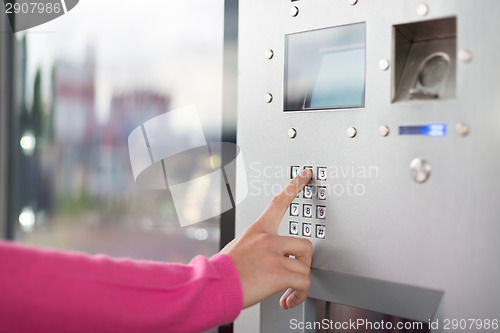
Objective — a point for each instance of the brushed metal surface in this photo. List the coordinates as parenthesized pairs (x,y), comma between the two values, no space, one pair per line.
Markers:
(441,235)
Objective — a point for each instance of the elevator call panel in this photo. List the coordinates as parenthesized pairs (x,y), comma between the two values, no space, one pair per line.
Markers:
(395,107)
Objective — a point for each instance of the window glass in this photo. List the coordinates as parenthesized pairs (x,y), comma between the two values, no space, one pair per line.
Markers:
(89,78)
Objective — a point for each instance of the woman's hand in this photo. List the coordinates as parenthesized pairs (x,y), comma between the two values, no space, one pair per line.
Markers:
(262,257)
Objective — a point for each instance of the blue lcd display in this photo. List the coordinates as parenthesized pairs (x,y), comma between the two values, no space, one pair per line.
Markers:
(427,130)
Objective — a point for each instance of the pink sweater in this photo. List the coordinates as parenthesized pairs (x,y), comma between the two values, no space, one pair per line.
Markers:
(51,291)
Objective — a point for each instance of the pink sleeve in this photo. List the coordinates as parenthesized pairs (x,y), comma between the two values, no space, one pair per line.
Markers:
(51,291)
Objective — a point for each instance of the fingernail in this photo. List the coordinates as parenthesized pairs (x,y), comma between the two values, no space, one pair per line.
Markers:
(306,173)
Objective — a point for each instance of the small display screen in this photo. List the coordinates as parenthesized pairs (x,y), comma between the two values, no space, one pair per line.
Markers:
(325,68)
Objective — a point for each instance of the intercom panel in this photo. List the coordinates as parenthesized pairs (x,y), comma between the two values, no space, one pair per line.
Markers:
(395,106)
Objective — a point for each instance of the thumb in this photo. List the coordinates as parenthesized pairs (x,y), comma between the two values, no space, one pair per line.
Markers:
(270,219)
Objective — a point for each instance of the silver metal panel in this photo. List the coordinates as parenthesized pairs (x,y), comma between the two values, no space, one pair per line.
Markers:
(400,300)
(440,235)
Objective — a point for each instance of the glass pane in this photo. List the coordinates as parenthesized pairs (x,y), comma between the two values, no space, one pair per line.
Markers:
(340,80)
(91,77)
(325,69)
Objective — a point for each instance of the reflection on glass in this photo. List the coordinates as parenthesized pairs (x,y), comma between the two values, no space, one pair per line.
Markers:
(325,69)
(86,88)
(28,143)
(27,219)
(340,80)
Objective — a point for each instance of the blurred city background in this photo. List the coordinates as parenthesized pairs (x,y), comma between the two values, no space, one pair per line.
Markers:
(84,81)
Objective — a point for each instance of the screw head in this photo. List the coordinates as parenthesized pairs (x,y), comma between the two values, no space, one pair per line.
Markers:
(294,11)
(423,9)
(351,132)
(465,56)
(383,64)
(353,2)
(383,130)
(269,54)
(292,133)
(462,129)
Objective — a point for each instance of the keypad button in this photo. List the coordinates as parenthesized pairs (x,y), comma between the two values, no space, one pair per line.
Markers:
(306,229)
(308,192)
(294,171)
(320,212)
(321,192)
(294,228)
(321,174)
(294,209)
(307,211)
(320,231)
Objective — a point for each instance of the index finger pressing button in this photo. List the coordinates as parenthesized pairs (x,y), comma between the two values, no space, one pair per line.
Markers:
(310,168)
(270,219)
